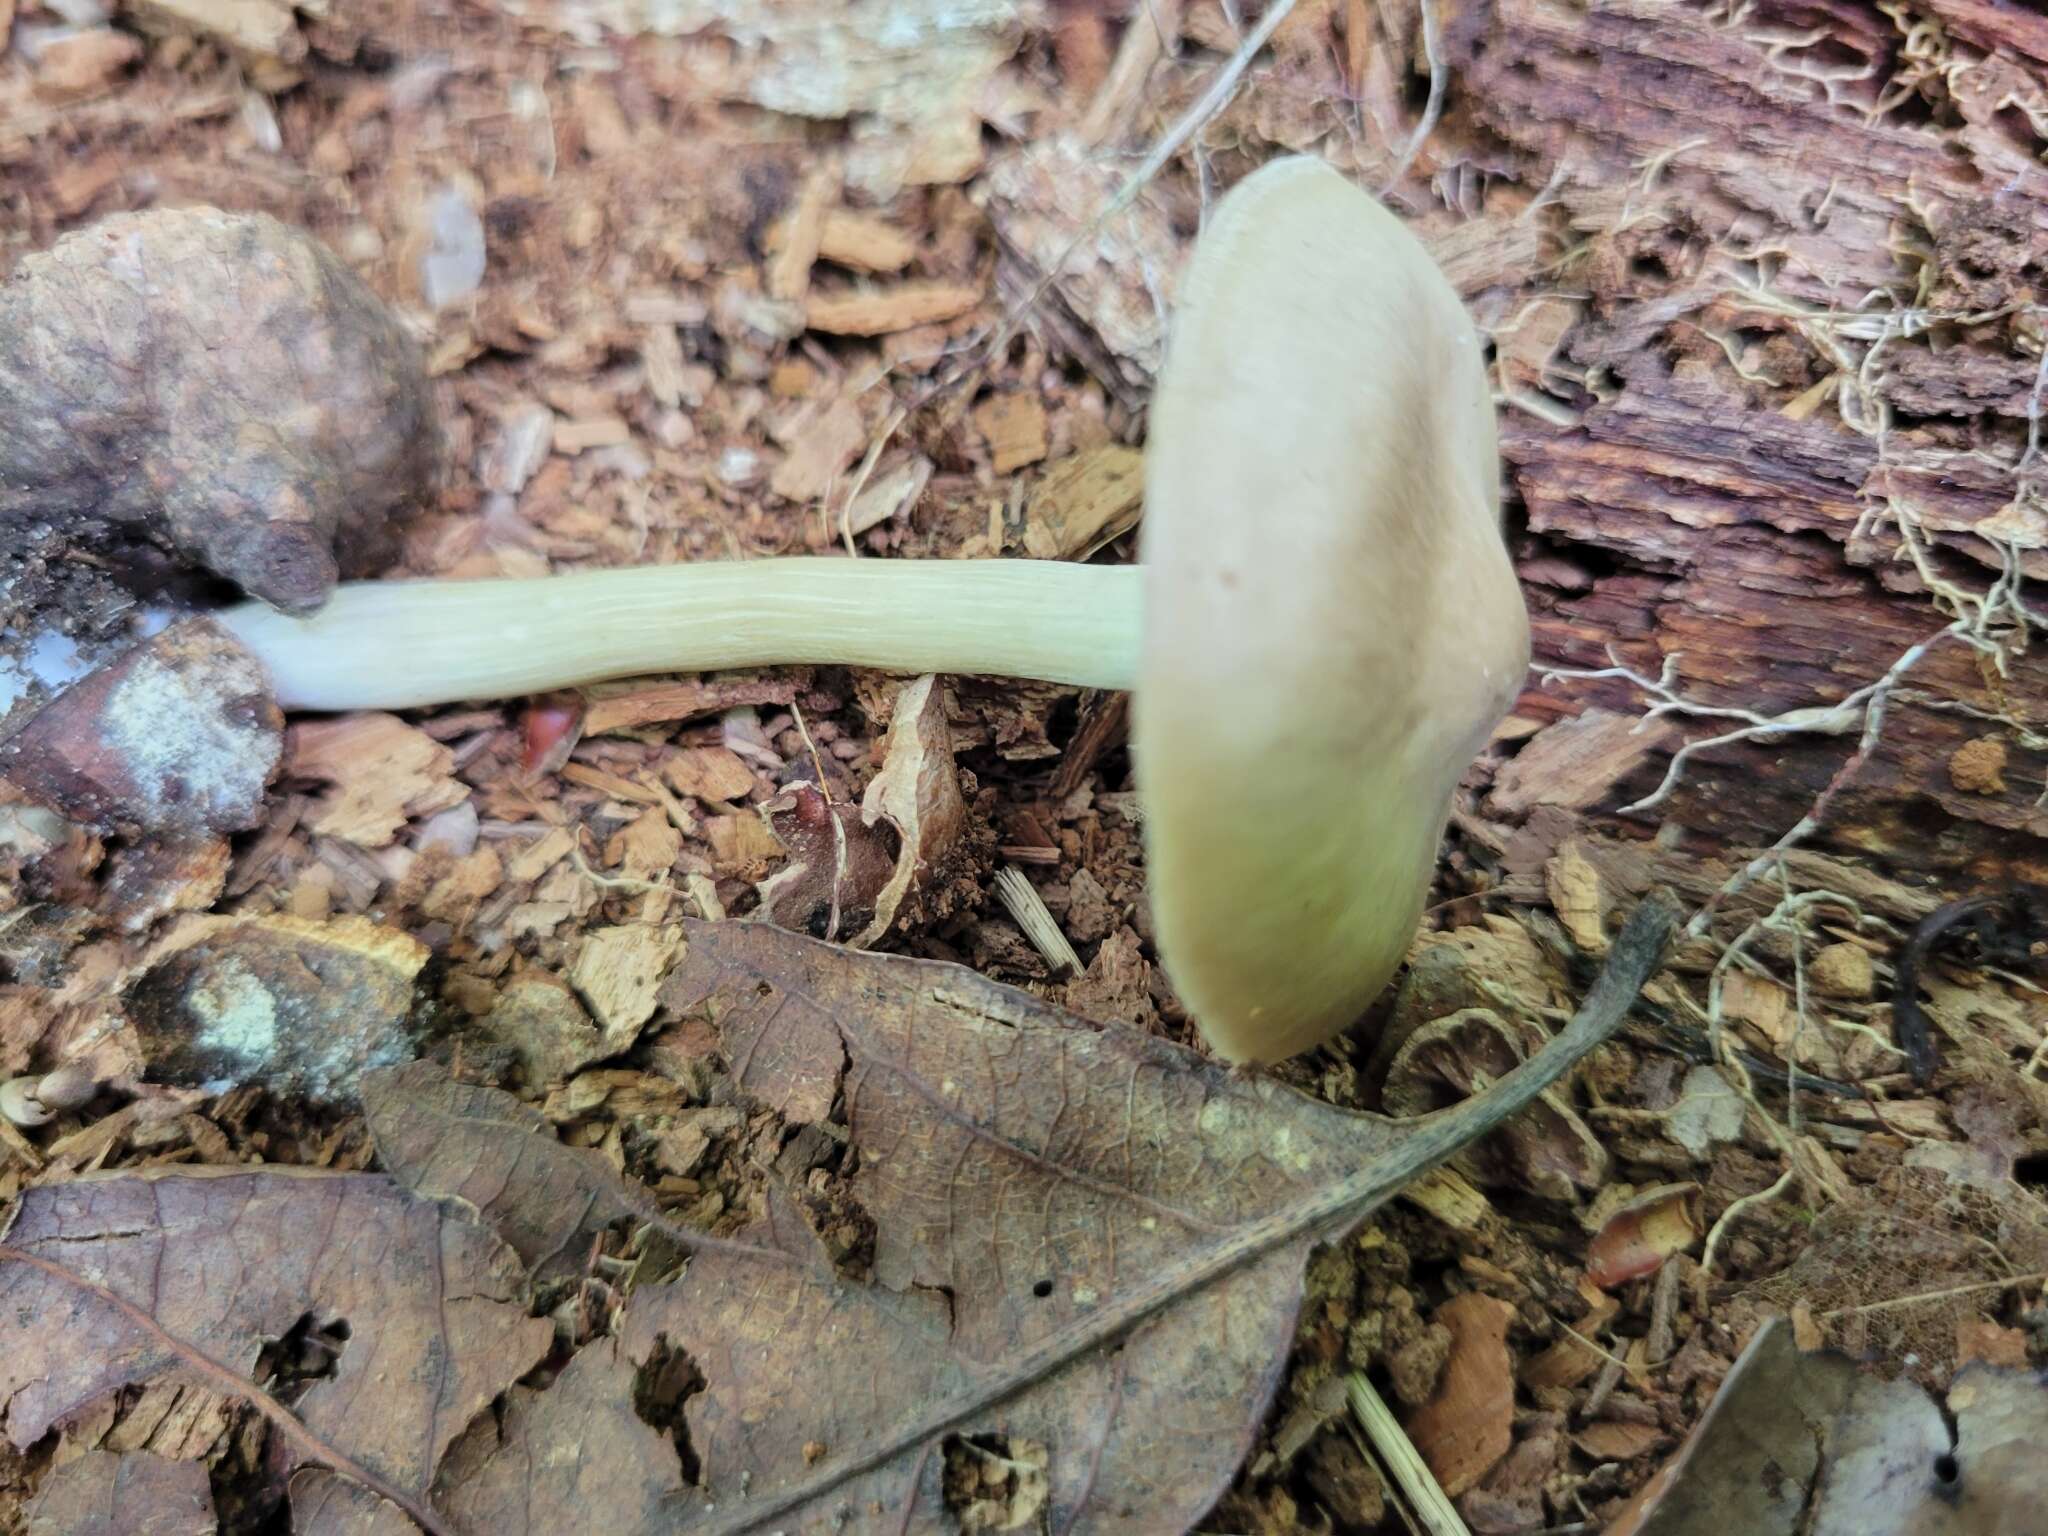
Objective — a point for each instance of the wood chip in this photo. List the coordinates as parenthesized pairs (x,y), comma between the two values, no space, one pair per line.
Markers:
(1576,897)
(609,784)
(540,856)
(880,311)
(383,772)
(1084,501)
(646,848)
(1614,1440)
(618,973)
(652,703)
(1575,763)
(712,774)
(587,432)
(1013,425)
(742,845)
(864,242)
(796,240)
(84,63)
(824,443)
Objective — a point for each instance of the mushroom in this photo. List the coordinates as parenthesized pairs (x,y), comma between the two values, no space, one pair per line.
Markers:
(32,1101)
(1324,631)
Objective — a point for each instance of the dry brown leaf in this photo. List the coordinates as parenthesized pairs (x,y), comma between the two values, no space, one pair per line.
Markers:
(1469,1424)
(489,1152)
(1804,1443)
(1067,1186)
(131,1279)
(137,1494)
(574,1457)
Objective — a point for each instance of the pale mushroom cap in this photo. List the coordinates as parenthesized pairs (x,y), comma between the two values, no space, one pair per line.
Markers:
(1332,625)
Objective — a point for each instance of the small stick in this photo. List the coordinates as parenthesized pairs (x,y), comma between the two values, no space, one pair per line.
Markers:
(1427,1500)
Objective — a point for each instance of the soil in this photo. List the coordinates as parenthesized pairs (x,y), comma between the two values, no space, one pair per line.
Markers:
(735,301)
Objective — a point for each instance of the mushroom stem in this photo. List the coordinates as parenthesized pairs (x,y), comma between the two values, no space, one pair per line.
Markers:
(402,644)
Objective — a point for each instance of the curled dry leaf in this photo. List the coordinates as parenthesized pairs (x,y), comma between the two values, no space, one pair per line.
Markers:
(1638,1238)
(213,1263)
(1807,1444)
(840,871)
(918,793)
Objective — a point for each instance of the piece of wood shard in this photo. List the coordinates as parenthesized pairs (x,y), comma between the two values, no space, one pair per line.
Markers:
(1084,501)
(715,775)
(1012,423)
(301,1006)
(881,311)
(1468,1425)
(295,1244)
(381,772)
(618,974)
(1575,763)
(891,491)
(83,63)
(658,703)
(864,243)
(264,33)
(823,442)
(1573,885)
(179,735)
(793,248)
(136,1494)
(536,1015)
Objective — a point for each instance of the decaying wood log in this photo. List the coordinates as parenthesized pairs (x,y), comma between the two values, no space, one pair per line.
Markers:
(1810,317)
(1765,280)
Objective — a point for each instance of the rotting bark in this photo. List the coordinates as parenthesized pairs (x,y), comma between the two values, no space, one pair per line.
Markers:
(1713,498)
(1763,279)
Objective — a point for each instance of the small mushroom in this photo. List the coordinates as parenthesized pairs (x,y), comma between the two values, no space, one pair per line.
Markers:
(1324,633)
(32,1101)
